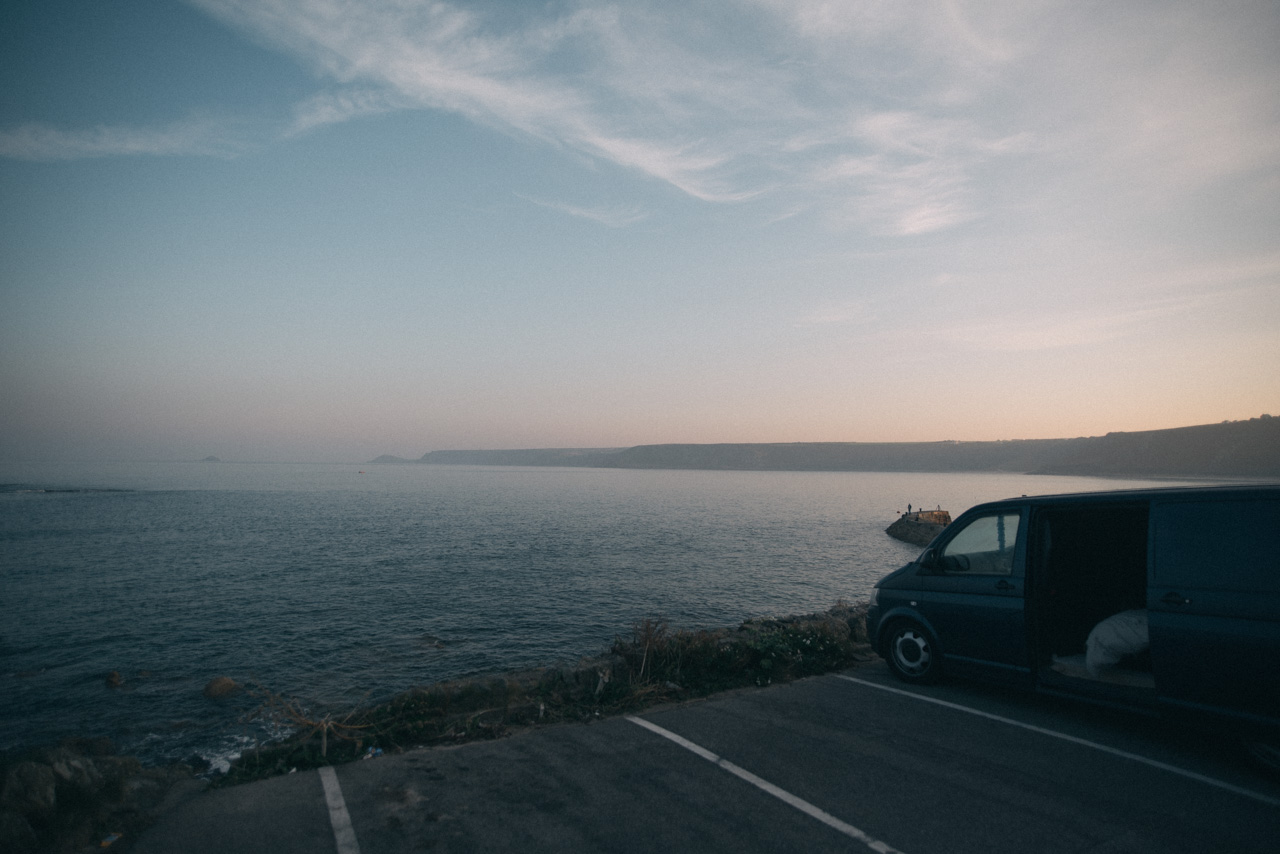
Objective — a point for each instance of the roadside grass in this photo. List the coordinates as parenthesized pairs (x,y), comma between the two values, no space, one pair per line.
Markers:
(654,664)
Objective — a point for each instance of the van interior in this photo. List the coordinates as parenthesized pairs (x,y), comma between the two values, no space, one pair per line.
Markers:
(1092,564)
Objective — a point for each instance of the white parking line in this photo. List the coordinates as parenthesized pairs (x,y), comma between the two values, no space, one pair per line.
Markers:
(343,833)
(765,786)
(1173,769)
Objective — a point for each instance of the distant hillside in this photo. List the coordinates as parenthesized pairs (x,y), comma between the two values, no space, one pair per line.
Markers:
(1233,448)
(1230,449)
(846,456)
(529,457)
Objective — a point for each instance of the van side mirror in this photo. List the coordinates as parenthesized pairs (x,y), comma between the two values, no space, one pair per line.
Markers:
(928,559)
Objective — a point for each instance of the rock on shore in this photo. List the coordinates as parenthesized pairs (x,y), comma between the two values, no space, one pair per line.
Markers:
(221,686)
(72,796)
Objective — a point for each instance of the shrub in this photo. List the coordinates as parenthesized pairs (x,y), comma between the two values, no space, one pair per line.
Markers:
(653,664)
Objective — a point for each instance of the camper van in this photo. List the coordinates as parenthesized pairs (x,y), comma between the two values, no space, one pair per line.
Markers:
(1160,599)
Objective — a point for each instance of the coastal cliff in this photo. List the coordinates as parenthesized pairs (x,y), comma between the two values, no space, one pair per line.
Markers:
(1232,449)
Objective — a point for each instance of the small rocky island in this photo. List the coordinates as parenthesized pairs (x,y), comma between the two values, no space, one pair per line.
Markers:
(919,527)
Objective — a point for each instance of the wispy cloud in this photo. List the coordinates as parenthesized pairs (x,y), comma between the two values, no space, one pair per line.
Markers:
(204,136)
(895,118)
(612,217)
(327,108)
(37,141)
(991,311)
(763,109)
(1163,301)
(1083,328)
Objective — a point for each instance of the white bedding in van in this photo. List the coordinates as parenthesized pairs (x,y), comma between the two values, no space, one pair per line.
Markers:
(1115,637)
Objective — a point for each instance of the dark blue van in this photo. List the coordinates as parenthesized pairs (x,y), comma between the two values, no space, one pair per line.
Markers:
(1165,599)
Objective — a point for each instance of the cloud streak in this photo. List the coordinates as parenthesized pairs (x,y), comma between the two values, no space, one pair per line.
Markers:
(43,142)
(611,217)
(766,109)
(887,117)
(328,108)
(1081,329)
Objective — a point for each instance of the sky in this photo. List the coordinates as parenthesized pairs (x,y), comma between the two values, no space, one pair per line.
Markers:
(321,230)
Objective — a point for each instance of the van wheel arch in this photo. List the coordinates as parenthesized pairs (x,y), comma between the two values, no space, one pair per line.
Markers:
(912,652)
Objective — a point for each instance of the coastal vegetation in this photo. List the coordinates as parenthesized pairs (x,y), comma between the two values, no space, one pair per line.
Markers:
(652,664)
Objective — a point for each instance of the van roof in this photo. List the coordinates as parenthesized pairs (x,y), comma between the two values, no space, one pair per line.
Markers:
(1220,490)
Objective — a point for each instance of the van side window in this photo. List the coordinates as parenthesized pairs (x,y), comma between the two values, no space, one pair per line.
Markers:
(1220,545)
(984,547)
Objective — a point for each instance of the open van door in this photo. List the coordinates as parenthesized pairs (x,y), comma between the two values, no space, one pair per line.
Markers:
(1214,606)
(974,594)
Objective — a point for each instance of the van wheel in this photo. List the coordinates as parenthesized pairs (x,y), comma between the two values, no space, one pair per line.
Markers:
(913,653)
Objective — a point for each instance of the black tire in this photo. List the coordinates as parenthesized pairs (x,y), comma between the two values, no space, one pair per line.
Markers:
(912,653)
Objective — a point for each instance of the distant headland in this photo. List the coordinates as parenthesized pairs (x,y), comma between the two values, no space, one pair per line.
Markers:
(1243,449)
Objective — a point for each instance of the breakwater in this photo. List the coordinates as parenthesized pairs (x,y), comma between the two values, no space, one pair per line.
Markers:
(919,527)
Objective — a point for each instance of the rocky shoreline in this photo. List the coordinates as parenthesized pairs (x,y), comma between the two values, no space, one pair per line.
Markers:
(653,664)
(82,796)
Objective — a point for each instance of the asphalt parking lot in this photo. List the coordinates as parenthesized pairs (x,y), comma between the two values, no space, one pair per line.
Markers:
(843,762)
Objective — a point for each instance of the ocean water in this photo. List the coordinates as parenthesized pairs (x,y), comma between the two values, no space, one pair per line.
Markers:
(339,584)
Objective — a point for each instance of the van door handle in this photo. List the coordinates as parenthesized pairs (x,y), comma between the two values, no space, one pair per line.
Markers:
(1172,598)
(1004,585)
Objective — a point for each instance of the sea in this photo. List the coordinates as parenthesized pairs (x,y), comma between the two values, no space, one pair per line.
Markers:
(338,585)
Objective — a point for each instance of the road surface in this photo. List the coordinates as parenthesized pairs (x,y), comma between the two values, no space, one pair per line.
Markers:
(843,762)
